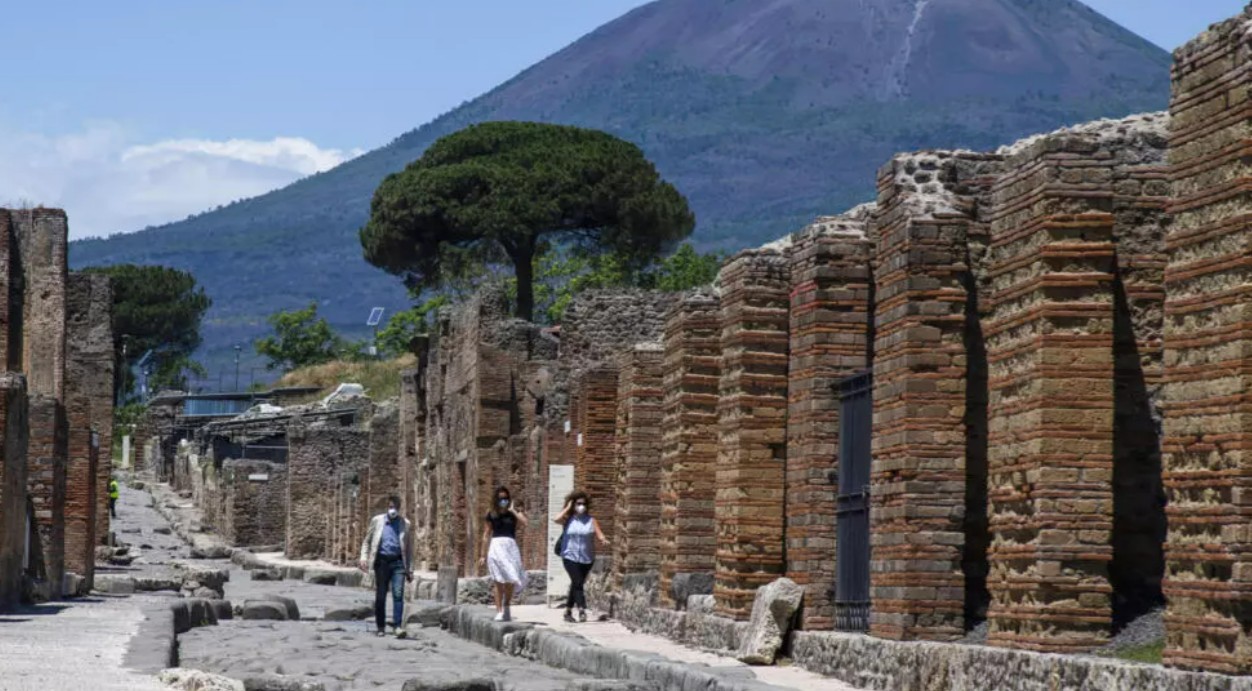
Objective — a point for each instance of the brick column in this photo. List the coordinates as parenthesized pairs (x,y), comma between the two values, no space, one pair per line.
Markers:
(830,327)
(1208,376)
(1050,352)
(88,407)
(11,296)
(594,469)
(321,463)
(636,547)
(13,425)
(45,482)
(928,238)
(752,424)
(691,370)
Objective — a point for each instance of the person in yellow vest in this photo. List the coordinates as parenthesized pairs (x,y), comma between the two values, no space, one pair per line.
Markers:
(113,494)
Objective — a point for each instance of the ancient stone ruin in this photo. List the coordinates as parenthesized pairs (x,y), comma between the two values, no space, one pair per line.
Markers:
(56,411)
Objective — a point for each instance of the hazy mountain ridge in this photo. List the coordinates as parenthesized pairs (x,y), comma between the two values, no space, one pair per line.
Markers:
(763,112)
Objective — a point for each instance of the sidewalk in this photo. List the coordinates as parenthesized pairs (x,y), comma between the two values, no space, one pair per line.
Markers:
(612,634)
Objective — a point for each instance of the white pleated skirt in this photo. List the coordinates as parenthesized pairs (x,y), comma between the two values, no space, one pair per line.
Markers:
(504,562)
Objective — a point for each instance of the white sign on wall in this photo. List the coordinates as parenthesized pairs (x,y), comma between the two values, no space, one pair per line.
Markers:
(580,438)
(259,477)
(560,484)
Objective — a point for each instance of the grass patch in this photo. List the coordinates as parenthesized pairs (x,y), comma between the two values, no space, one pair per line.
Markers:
(381,378)
(1150,653)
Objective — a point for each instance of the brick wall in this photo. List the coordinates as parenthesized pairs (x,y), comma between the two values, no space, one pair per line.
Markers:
(88,406)
(691,372)
(255,510)
(636,547)
(45,482)
(752,428)
(324,467)
(11,295)
(1207,380)
(831,290)
(595,422)
(13,423)
(926,431)
(384,460)
(43,237)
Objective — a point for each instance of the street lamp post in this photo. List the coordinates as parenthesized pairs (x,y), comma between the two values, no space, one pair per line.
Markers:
(237,349)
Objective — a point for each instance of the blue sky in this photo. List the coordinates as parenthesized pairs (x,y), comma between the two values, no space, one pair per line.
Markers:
(142,111)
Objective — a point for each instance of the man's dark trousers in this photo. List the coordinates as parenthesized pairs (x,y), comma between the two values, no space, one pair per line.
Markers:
(388,573)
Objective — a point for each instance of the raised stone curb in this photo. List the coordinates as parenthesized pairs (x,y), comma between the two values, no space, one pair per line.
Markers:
(155,646)
(873,663)
(576,654)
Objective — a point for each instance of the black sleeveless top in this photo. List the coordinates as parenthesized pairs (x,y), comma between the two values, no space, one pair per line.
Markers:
(503,525)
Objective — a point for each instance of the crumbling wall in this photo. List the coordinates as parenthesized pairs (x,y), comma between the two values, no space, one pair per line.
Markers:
(1208,385)
(324,465)
(831,302)
(12,486)
(46,483)
(929,441)
(752,428)
(255,503)
(384,459)
(636,549)
(89,415)
(691,372)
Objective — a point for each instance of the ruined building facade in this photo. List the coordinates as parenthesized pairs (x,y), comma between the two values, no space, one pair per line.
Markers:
(56,410)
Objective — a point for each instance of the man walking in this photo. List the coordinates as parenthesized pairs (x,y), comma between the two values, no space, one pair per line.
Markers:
(113,494)
(388,551)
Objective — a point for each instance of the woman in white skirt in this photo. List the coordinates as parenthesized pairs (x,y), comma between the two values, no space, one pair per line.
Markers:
(503,559)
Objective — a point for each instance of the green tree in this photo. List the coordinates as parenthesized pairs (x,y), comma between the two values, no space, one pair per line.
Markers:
(301,339)
(505,192)
(685,269)
(158,309)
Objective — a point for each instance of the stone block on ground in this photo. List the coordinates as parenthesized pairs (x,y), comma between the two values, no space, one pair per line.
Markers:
(195,680)
(349,579)
(103,552)
(278,682)
(352,613)
(267,575)
(319,577)
(155,583)
(425,613)
(478,684)
(162,530)
(684,585)
(294,573)
(245,559)
(210,552)
(254,610)
(614,685)
(293,610)
(222,609)
(446,585)
(201,613)
(115,585)
(182,616)
(773,610)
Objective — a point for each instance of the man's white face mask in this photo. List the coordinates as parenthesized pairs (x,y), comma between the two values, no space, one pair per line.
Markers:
(391,513)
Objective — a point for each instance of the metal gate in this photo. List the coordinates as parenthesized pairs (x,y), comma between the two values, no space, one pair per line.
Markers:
(852,507)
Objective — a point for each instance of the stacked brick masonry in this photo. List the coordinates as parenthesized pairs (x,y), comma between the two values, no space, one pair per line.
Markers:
(691,373)
(45,482)
(636,547)
(43,238)
(752,425)
(831,290)
(1208,379)
(89,407)
(255,502)
(12,487)
(596,421)
(1050,349)
(11,295)
(929,239)
(324,468)
(384,460)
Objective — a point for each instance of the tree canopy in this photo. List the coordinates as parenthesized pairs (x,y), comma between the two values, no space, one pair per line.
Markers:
(505,192)
(159,309)
(301,339)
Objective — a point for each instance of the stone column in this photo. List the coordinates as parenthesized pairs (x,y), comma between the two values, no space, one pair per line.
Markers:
(1050,349)
(11,295)
(13,423)
(831,290)
(691,370)
(752,424)
(594,469)
(1208,356)
(636,548)
(927,461)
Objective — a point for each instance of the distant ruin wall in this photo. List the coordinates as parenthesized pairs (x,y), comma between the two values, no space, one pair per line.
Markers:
(13,425)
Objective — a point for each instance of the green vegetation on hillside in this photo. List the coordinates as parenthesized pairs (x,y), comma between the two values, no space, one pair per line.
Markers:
(380,378)
(302,339)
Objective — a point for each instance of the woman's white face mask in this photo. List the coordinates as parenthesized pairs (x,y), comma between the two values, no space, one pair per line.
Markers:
(391,513)
(580,508)
(504,503)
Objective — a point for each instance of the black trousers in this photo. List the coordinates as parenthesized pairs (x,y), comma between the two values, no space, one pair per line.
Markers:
(577,578)
(112,507)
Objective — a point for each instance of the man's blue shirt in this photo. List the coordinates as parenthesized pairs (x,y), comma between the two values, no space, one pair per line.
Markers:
(390,544)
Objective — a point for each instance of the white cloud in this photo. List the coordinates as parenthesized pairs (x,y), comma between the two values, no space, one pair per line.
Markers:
(107,182)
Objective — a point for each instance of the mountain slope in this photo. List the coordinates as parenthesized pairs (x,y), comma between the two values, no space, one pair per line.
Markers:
(763,112)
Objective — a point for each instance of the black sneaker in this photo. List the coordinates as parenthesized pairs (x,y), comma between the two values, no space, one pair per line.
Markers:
(582,615)
(569,616)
